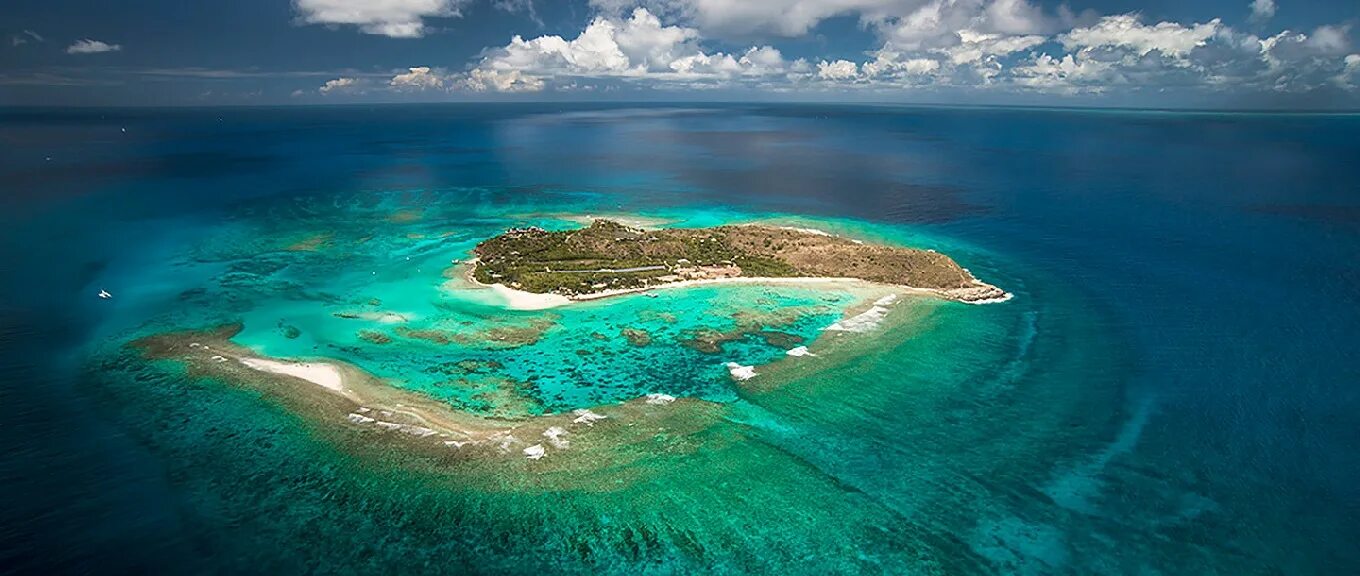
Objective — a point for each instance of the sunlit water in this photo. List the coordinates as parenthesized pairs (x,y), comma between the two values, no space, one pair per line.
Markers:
(1171,391)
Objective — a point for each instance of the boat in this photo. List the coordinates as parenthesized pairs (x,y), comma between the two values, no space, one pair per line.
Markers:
(105,294)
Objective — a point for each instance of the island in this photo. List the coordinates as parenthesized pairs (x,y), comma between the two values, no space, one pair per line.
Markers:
(499,413)
(609,258)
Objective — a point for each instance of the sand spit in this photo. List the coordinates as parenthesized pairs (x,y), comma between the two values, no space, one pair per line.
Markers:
(521,300)
(320,373)
(334,393)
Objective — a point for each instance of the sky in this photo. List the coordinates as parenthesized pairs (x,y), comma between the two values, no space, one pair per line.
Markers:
(1228,54)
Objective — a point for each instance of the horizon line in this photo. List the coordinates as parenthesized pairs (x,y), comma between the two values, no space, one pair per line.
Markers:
(680,103)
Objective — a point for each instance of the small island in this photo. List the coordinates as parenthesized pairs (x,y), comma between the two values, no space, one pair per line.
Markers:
(608,258)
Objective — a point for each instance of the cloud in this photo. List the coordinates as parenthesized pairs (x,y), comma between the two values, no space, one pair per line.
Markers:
(88,46)
(24,38)
(995,45)
(1068,75)
(975,47)
(1124,32)
(1330,39)
(341,85)
(904,69)
(1350,73)
(636,48)
(907,23)
(1017,17)
(837,70)
(1300,62)
(742,19)
(1121,52)
(417,79)
(1262,10)
(484,80)
(394,18)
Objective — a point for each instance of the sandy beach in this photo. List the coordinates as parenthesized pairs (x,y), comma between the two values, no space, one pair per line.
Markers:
(521,300)
(320,373)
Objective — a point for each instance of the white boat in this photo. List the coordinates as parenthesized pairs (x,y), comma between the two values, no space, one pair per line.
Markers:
(105,294)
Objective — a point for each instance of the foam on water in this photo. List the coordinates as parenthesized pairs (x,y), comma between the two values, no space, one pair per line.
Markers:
(657,398)
(740,372)
(867,320)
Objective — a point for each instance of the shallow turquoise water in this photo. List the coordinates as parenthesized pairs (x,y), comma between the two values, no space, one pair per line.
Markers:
(447,338)
(1164,394)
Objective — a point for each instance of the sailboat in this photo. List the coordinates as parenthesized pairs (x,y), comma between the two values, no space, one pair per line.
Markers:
(105,294)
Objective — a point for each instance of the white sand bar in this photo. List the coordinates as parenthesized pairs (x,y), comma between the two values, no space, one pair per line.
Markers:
(521,300)
(325,375)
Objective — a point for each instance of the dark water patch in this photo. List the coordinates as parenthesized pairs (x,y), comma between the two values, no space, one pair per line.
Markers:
(185,165)
(1345,216)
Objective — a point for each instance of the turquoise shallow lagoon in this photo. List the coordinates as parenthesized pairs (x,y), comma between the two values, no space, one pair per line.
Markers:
(1164,394)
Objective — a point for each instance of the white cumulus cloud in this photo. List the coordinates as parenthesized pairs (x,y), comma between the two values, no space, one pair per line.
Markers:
(1065,75)
(1126,32)
(1120,51)
(744,18)
(995,45)
(342,84)
(395,18)
(837,70)
(904,22)
(88,46)
(1350,72)
(486,80)
(638,47)
(975,47)
(416,79)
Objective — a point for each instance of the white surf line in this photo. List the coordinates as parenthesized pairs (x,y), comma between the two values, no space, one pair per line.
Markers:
(741,372)
(535,452)
(866,320)
(659,399)
(555,436)
(586,417)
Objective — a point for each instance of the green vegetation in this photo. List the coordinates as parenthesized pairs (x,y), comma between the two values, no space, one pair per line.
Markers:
(608,255)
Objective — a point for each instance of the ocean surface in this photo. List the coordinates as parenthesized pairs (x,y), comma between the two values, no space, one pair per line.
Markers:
(1174,388)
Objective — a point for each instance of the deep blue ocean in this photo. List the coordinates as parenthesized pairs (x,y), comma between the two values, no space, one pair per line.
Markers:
(1195,279)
